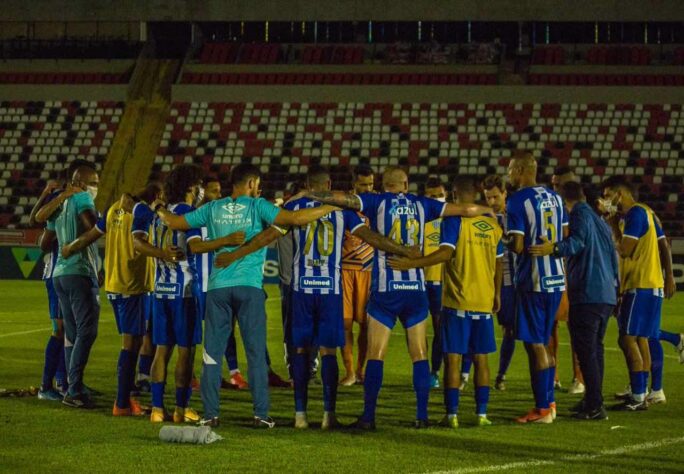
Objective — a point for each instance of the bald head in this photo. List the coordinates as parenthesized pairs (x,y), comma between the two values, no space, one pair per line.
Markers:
(85,176)
(522,169)
(395,180)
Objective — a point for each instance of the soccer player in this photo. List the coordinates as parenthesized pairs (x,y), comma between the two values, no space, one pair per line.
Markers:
(71,214)
(495,193)
(434,189)
(472,253)
(641,282)
(237,290)
(357,263)
(401,216)
(562,175)
(534,212)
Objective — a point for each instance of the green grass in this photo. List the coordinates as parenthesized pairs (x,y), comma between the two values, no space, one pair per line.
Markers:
(44,436)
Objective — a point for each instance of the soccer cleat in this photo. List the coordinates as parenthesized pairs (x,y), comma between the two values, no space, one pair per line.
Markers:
(449,421)
(301,422)
(185,415)
(598,414)
(78,401)
(51,395)
(329,421)
(552,407)
(557,385)
(238,381)
(631,405)
(348,381)
(421,424)
(116,411)
(90,392)
(625,394)
(211,422)
(263,423)
(62,388)
(137,408)
(537,415)
(500,384)
(434,380)
(275,380)
(680,348)
(578,407)
(158,415)
(655,397)
(577,388)
(362,425)
(482,420)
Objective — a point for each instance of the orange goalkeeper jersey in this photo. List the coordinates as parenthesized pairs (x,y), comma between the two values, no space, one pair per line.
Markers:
(357,255)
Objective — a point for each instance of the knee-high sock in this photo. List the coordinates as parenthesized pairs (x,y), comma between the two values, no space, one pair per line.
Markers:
(481,400)
(61,373)
(639,384)
(144,365)
(506,355)
(52,350)
(330,374)
(671,337)
(466,363)
(158,394)
(657,359)
(182,396)
(421,385)
(371,388)
(551,397)
(300,372)
(540,387)
(437,355)
(125,369)
(231,353)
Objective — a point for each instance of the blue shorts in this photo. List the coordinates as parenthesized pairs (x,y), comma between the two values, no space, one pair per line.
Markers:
(129,312)
(434,293)
(411,307)
(640,312)
(149,306)
(317,320)
(506,315)
(176,322)
(535,316)
(467,332)
(201,299)
(53,301)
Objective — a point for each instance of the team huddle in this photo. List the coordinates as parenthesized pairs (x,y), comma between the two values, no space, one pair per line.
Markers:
(182,265)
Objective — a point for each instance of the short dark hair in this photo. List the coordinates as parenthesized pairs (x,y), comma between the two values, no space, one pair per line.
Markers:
(465,184)
(561,170)
(362,170)
(493,181)
(212,178)
(572,191)
(617,182)
(243,173)
(77,164)
(150,192)
(180,180)
(434,182)
(317,173)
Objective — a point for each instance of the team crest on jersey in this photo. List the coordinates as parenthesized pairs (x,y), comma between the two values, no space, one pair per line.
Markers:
(483,226)
(233,207)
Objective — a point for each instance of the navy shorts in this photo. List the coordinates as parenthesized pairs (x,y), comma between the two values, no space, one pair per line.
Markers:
(434,293)
(506,315)
(640,312)
(535,316)
(129,312)
(467,332)
(317,320)
(176,322)
(410,307)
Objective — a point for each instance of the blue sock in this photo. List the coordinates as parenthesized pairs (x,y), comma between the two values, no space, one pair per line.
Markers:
(371,388)
(52,350)
(145,364)
(657,358)
(643,384)
(330,374)
(551,396)
(671,337)
(421,385)
(61,375)
(188,394)
(636,380)
(158,394)
(123,392)
(506,355)
(300,373)
(481,400)
(466,363)
(540,387)
(231,353)
(451,399)
(182,397)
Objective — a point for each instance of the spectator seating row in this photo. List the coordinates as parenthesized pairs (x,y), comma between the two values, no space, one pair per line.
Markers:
(338,79)
(659,80)
(247,53)
(63,78)
(624,55)
(332,54)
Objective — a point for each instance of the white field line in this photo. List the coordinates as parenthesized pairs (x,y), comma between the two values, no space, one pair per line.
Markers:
(21,333)
(628,449)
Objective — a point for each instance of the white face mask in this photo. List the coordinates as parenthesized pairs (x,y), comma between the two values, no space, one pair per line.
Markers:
(442,199)
(609,207)
(92,190)
(200,196)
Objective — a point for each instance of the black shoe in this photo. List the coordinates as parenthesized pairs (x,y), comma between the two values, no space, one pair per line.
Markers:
(211,422)
(263,423)
(597,414)
(630,405)
(78,401)
(362,425)
(421,424)
(578,407)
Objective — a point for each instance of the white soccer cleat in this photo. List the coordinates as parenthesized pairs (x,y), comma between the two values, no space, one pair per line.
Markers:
(655,397)
(301,422)
(577,388)
(680,348)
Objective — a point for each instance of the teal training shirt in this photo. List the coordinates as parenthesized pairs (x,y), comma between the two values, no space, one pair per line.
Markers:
(225,216)
(66,223)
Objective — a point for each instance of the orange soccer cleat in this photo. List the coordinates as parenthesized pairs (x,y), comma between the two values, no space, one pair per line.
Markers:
(537,415)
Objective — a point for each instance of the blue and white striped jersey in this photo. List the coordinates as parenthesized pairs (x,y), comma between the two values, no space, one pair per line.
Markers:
(318,249)
(509,257)
(204,262)
(535,212)
(50,258)
(175,279)
(402,218)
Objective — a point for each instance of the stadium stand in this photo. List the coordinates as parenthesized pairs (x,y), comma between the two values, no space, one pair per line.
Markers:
(342,79)
(37,138)
(63,78)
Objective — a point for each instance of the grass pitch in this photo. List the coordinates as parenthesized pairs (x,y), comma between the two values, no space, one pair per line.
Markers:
(48,437)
